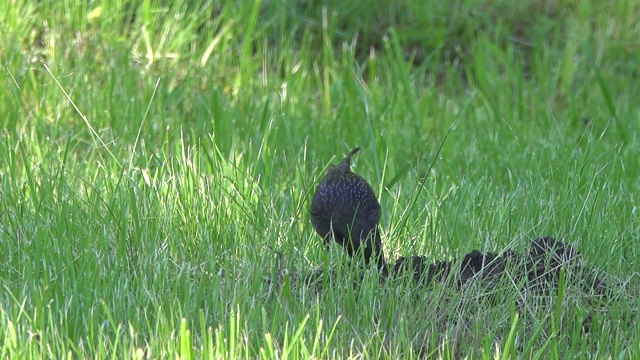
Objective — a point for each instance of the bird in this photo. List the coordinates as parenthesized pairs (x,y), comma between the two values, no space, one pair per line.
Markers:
(345,208)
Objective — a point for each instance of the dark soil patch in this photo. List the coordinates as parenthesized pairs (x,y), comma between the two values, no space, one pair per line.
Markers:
(540,266)
(538,270)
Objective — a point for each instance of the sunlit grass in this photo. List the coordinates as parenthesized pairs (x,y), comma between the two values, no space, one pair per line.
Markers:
(155,183)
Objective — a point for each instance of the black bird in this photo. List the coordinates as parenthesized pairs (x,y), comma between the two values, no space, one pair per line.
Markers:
(345,207)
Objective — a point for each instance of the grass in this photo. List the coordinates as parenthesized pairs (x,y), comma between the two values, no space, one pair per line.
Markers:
(157,161)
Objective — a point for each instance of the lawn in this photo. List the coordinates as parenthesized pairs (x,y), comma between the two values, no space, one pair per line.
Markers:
(158,160)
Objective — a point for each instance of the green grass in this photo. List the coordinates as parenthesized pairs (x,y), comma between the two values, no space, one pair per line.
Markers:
(157,160)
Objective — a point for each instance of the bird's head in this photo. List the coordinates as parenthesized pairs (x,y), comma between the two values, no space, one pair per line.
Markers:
(345,165)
